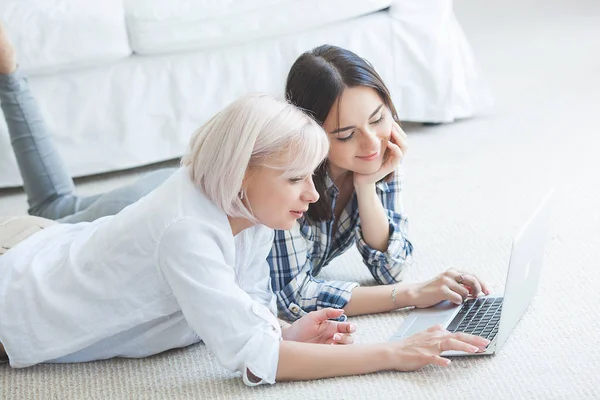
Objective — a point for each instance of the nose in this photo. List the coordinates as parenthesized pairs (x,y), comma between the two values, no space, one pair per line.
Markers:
(370,139)
(310,193)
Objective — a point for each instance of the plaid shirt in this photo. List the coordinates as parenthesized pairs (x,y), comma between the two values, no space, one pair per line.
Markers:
(300,254)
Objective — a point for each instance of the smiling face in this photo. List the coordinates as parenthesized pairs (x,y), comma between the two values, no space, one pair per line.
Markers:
(359,126)
(277,198)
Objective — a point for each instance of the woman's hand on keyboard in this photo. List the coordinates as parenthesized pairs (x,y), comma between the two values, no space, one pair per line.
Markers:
(451,285)
(424,348)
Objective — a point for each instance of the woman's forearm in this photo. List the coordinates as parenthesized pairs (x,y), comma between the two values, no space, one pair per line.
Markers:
(304,361)
(373,219)
(376,299)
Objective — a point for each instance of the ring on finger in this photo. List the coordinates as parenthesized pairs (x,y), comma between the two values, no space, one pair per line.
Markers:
(460,279)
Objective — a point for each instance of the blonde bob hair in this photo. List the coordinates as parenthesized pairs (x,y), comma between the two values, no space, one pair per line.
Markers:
(251,132)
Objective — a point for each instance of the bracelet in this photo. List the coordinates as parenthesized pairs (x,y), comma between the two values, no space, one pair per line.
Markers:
(394,295)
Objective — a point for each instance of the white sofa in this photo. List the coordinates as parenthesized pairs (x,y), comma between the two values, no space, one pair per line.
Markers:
(123,83)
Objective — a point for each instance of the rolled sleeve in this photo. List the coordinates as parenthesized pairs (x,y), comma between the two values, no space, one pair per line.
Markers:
(260,352)
(387,267)
(195,260)
(306,293)
(298,292)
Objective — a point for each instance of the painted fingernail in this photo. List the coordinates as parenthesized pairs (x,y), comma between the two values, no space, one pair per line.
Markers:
(337,337)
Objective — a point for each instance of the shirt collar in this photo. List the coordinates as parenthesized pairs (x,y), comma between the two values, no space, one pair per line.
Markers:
(330,186)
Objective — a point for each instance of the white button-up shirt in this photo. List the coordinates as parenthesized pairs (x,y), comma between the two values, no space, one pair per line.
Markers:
(165,272)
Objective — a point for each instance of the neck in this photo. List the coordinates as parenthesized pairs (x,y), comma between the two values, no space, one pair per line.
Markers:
(338,175)
(239,224)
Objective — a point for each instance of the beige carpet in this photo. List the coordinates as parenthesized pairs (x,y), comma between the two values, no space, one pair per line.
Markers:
(469,187)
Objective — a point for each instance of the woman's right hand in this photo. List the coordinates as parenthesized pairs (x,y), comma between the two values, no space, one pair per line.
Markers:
(425,347)
(452,285)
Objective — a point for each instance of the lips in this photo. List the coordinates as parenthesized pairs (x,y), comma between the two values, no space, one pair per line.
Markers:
(369,157)
(298,213)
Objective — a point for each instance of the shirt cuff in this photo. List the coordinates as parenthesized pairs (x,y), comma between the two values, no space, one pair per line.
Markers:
(371,254)
(396,255)
(263,351)
(335,294)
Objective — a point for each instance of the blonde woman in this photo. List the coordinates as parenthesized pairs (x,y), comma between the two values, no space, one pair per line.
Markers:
(185,263)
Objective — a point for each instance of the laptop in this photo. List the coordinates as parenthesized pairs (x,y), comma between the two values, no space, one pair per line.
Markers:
(493,317)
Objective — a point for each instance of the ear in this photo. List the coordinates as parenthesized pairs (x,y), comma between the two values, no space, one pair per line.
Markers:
(248,176)
(247,181)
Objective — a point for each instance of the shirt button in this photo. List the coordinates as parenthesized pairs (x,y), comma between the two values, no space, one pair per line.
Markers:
(294,308)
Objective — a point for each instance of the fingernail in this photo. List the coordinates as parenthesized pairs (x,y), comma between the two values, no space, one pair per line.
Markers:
(474,349)
(352,328)
(337,337)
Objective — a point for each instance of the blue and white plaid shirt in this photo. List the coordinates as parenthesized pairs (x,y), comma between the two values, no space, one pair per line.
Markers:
(300,254)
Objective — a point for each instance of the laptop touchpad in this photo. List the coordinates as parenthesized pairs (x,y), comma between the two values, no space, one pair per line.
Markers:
(423,323)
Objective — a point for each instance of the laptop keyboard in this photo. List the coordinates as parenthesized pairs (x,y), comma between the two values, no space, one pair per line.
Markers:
(479,317)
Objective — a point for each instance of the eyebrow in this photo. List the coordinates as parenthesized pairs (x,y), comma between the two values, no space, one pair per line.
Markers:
(354,126)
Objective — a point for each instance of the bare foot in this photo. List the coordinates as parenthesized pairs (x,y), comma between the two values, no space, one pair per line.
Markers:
(8,58)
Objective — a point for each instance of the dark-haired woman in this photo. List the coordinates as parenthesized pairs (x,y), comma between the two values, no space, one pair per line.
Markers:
(359,186)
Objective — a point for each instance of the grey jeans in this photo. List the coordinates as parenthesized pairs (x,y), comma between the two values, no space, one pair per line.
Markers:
(48,185)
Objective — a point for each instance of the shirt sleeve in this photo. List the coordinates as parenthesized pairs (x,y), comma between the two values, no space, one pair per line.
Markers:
(196,261)
(297,290)
(387,267)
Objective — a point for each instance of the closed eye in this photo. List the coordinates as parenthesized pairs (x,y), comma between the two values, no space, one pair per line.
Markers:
(298,179)
(346,138)
(379,120)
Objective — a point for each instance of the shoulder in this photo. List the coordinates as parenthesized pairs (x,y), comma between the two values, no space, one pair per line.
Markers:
(262,234)
(191,233)
(179,199)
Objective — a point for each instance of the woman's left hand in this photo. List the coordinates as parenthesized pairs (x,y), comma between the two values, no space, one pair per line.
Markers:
(396,148)
(316,327)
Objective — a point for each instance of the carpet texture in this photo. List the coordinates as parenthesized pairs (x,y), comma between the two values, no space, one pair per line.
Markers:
(469,187)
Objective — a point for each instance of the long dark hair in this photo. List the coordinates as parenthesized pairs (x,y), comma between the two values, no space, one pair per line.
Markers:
(315,81)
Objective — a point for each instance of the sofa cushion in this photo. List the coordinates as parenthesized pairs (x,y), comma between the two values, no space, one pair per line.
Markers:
(159,26)
(53,35)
